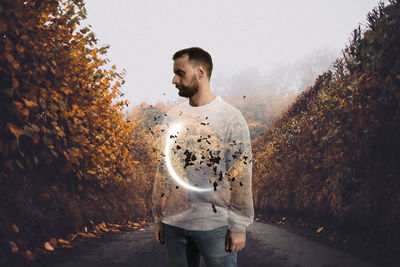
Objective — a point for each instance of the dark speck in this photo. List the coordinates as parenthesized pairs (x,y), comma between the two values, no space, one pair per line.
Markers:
(214,209)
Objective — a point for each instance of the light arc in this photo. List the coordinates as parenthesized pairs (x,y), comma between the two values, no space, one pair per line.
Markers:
(174,131)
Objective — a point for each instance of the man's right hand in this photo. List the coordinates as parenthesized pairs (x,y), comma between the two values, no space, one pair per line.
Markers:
(159,232)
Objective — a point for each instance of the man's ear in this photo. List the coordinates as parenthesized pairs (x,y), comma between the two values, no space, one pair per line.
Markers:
(202,71)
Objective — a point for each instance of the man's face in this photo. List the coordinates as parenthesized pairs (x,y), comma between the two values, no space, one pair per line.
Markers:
(185,78)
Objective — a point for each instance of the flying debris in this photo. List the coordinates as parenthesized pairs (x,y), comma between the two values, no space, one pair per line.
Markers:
(214,209)
(215,184)
(220,176)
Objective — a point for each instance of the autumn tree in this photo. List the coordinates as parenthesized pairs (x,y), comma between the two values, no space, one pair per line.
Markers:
(334,153)
(65,146)
(57,98)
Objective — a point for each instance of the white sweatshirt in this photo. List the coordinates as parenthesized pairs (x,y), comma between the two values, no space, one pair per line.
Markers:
(204,170)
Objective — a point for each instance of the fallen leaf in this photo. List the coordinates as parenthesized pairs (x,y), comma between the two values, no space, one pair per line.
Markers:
(62,241)
(53,242)
(13,246)
(29,255)
(30,104)
(48,246)
(15,130)
(15,228)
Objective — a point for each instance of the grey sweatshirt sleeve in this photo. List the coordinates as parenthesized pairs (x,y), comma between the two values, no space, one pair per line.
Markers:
(239,171)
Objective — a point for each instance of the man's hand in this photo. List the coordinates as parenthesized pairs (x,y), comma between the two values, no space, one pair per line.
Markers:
(235,241)
(159,232)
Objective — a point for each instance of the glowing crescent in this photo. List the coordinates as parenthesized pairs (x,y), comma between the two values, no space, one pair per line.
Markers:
(174,130)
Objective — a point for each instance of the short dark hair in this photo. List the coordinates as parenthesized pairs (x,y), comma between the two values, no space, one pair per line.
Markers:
(198,56)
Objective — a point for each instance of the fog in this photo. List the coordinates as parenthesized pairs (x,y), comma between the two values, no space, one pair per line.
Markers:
(255,45)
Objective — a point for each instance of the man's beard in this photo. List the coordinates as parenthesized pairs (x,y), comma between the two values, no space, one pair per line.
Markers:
(190,90)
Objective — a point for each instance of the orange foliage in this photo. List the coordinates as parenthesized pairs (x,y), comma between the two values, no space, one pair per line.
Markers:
(57,99)
(334,152)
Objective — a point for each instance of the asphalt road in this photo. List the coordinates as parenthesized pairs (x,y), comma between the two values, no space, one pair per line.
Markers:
(266,245)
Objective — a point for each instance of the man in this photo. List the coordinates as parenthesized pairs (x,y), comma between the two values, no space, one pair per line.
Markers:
(202,200)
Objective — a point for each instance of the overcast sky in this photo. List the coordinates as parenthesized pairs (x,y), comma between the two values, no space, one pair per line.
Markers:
(240,35)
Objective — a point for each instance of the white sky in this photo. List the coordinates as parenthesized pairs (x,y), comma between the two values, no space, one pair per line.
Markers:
(239,35)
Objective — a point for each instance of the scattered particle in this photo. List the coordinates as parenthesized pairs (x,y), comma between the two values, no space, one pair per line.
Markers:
(214,209)
(215,184)
(220,176)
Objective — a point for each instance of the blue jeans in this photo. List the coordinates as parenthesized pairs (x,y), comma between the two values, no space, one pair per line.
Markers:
(184,247)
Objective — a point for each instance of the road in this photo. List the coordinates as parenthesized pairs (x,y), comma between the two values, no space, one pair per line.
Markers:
(266,245)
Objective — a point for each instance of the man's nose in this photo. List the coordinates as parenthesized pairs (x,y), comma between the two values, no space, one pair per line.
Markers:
(174,80)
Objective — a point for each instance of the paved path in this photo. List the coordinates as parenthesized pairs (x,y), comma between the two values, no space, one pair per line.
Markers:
(266,245)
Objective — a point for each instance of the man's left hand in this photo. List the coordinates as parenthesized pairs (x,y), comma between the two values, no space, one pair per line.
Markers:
(235,241)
